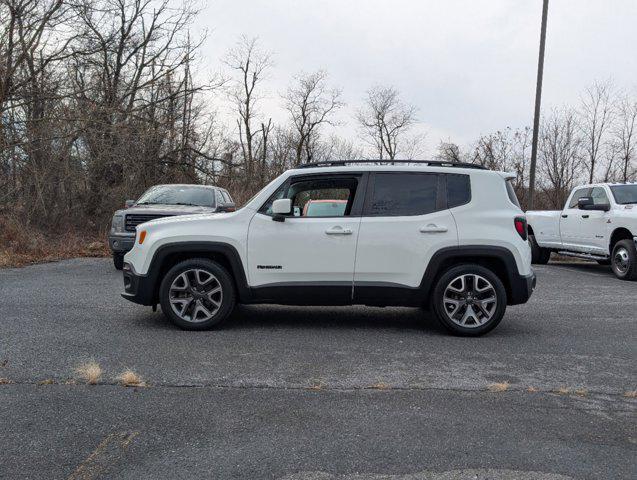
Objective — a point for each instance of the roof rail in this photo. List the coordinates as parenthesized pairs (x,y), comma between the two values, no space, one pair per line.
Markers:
(428,163)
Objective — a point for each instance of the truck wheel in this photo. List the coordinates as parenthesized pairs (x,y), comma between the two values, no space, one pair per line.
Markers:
(624,260)
(197,294)
(539,255)
(118,261)
(469,300)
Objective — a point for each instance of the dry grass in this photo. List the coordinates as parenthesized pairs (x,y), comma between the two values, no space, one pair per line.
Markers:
(317,386)
(90,372)
(581,392)
(128,378)
(5,381)
(380,386)
(532,390)
(631,394)
(562,391)
(499,387)
(46,381)
(22,245)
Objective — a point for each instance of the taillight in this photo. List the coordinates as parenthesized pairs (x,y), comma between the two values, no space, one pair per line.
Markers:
(520,227)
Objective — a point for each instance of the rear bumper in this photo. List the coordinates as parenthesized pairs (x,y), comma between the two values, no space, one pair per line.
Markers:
(121,243)
(522,287)
(138,288)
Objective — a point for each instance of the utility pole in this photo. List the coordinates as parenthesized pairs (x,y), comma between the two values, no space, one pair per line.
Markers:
(538,103)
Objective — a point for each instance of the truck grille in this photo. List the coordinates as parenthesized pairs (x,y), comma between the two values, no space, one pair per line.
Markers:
(134,219)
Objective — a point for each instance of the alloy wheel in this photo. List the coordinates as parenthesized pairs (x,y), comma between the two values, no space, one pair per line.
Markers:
(195,295)
(621,260)
(470,300)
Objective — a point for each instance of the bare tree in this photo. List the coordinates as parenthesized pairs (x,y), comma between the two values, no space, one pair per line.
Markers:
(449,152)
(310,104)
(560,155)
(595,119)
(250,64)
(625,137)
(384,120)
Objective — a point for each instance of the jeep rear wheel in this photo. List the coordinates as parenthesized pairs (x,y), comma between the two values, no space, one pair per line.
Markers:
(197,294)
(469,300)
(624,260)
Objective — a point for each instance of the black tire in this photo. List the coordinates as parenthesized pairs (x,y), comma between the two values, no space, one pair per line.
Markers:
(221,276)
(624,260)
(539,255)
(498,307)
(118,261)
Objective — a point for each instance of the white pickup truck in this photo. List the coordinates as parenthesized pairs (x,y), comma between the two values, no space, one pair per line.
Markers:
(598,222)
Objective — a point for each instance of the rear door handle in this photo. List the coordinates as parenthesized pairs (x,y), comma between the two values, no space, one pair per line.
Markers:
(433,228)
(585,216)
(338,231)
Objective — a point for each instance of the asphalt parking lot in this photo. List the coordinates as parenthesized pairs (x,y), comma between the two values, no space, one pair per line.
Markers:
(316,393)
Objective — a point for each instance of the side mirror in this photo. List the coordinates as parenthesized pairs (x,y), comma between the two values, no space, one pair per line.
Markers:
(281,208)
(129,203)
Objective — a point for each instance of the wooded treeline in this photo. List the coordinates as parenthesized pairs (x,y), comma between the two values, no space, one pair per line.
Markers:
(98,101)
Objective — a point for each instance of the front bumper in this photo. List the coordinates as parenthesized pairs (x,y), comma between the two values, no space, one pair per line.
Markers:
(522,287)
(121,243)
(138,288)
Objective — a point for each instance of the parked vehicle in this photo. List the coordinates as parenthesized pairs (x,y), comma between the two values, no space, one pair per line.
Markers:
(447,237)
(163,201)
(324,208)
(598,222)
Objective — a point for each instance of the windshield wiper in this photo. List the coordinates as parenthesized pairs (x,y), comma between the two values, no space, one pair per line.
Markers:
(149,203)
(188,204)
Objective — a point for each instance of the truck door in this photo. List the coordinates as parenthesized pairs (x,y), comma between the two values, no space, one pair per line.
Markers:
(594,224)
(571,233)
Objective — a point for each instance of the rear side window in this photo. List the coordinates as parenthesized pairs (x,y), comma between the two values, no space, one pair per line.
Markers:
(458,190)
(403,194)
(512,196)
(226,196)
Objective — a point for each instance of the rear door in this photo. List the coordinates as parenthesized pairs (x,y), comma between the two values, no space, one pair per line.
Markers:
(405,220)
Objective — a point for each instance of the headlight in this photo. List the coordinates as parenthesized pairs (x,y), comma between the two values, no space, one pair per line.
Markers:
(117,225)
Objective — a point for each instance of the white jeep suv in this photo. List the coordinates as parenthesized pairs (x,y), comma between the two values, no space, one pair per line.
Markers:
(447,237)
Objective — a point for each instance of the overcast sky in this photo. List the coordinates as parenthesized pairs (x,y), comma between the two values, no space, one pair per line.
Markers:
(468,66)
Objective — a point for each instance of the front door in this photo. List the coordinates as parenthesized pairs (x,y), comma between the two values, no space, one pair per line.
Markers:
(573,238)
(594,224)
(309,257)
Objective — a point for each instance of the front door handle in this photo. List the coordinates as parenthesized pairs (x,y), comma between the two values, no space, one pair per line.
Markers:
(564,216)
(433,228)
(338,231)
(585,216)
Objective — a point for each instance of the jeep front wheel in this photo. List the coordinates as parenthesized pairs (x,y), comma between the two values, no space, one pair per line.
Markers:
(118,261)
(197,294)
(469,300)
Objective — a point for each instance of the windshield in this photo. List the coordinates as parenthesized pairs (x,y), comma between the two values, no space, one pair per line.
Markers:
(625,194)
(178,195)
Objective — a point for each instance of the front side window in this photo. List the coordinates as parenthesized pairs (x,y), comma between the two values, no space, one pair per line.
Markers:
(316,197)
(582,192)
(178,195)
(624,194)
(403,194)
(599,196)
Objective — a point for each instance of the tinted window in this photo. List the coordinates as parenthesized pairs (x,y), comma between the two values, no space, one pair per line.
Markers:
(400,194)
(625,194)
(226,196)
(458,190)
(582,192)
